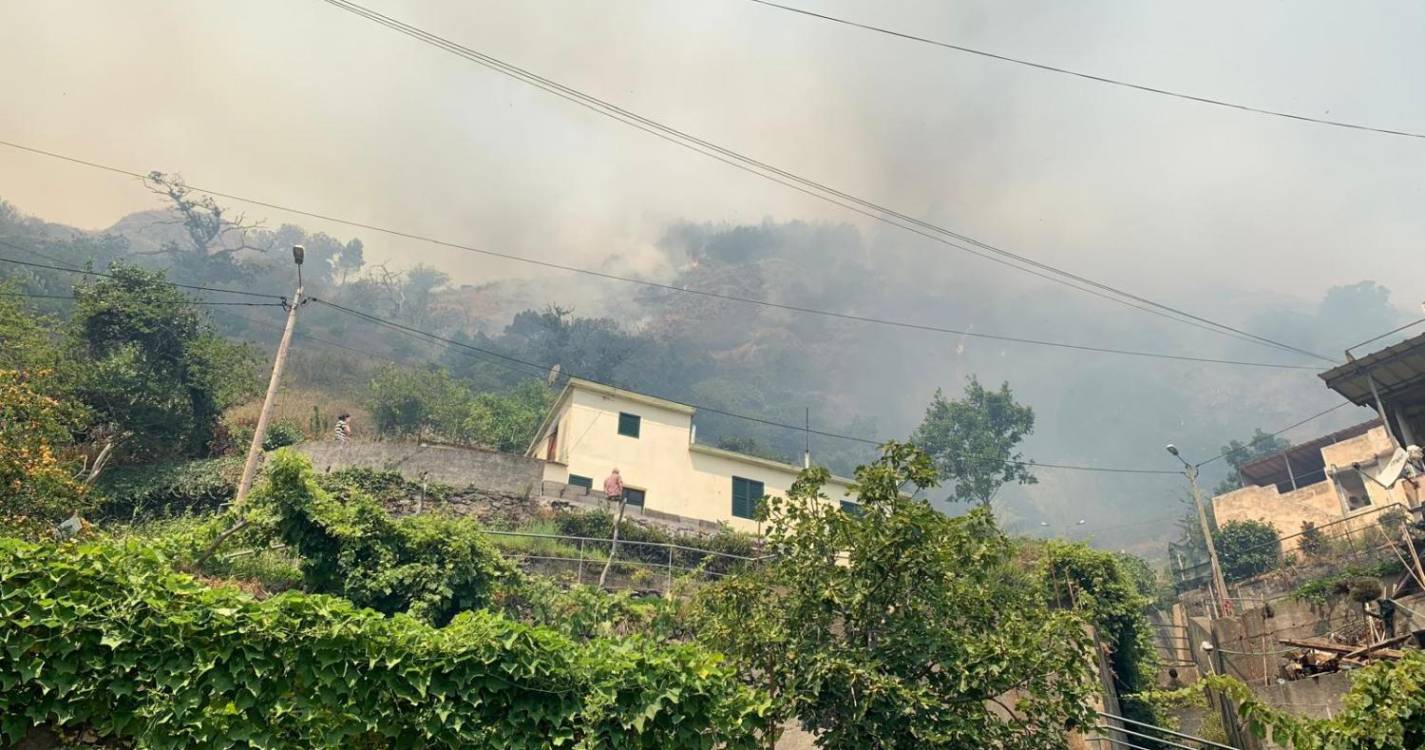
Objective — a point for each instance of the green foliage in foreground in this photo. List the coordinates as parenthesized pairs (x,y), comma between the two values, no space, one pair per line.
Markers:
(900,628)
(109,638)
(429,566)
(1384,710)
(1115,595)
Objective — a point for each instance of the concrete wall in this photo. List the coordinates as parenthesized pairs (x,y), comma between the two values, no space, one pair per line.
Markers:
(1318,696)
(679,478)
(1321,502)
(505,473)
(1317,503)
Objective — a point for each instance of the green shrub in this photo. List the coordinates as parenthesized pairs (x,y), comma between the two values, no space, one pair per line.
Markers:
(1247,548)
(384,486)
(1323,589)
(429,566)
(168,489)
(585,612)
(108,638)
(281,435)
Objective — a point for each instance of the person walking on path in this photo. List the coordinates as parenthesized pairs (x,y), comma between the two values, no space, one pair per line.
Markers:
(343,429)
(613,490)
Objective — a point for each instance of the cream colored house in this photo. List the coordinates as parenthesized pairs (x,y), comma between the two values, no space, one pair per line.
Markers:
(594,428)
(1348,475)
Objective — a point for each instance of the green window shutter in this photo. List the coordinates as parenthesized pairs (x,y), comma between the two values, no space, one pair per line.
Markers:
(633,497)
(629,424)
(852,509)
(577,481)
(745,494)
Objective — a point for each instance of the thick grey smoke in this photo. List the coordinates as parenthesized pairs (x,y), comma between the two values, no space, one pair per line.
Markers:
(1248,219)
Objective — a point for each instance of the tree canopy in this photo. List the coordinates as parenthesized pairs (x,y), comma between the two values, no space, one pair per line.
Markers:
(973,440)
(899,627)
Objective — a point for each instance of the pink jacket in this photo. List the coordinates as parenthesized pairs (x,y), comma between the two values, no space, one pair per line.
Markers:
(613,486)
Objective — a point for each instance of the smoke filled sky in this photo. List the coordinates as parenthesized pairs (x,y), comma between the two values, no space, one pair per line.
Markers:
(1223,212)
(300,102)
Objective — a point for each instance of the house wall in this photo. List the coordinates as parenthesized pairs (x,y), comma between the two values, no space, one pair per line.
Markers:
(1319,502)
(679,478)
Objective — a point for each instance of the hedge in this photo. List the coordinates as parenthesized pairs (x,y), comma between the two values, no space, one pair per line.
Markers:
(108,638)
(168,489)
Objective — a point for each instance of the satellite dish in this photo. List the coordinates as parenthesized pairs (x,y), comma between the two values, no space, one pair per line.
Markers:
(553,374)
(1387,474)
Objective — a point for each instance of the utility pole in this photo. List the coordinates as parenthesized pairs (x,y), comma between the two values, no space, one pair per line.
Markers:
(260,434)
(1225,604)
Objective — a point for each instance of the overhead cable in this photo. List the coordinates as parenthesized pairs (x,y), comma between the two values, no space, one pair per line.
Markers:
(674,288)
(1090,76)
(111,275)
(1292,426)
(535,367)
(817,189)
(190,302)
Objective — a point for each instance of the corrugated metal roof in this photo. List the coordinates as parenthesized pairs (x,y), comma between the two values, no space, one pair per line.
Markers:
(1305,458)
(1395,369)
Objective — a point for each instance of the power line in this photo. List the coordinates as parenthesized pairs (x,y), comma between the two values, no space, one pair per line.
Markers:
(1292,426)
(672,288)
(1089,76)
(191,301)
(508,361)
(813,188)
(111,276)
(1392,331)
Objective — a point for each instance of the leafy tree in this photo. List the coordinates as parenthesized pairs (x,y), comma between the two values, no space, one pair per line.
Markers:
(973,440)
(1239,454)
(409,401)
(1247,548)
(38,487)
(594,348)
(506,421)
(26,341)
(153,367)
(900,627)
(430,567)
(1115,592)
(213,235)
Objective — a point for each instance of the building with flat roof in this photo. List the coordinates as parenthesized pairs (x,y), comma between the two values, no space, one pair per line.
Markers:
(592,429)
(1351,474)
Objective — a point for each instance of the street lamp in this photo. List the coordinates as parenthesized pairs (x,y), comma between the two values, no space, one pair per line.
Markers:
(1191,471)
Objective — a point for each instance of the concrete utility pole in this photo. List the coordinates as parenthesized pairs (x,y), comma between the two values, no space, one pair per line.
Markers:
(1225,604)
(260,435)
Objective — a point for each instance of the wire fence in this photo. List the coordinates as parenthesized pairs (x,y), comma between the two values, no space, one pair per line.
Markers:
(635,564)
(1362,534)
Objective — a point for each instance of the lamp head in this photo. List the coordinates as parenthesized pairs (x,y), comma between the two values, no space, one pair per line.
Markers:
(299,254)
(1173,449)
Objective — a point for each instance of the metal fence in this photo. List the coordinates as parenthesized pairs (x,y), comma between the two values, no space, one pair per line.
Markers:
(636,564)
(1363,535)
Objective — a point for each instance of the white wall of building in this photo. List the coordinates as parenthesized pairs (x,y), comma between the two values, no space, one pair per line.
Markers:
(678,477)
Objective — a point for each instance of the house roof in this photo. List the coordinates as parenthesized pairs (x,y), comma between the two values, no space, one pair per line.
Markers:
(756,460)
(1305,459)
(1398,372)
